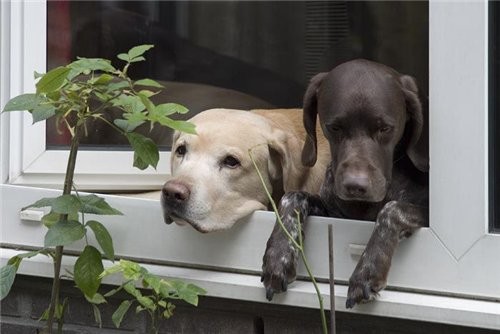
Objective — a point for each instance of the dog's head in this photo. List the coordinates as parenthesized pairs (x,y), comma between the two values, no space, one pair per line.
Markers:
(214,182)
(367,111)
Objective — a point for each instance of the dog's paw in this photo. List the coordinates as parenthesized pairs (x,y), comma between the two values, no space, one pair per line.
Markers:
(278,269)
(364,286)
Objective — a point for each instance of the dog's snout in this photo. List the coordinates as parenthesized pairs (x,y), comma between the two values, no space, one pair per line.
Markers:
(176,191)
(356,184)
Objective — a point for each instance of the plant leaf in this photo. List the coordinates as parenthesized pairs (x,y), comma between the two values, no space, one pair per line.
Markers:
(127,125)
(96,299)
(131,104)
(64,233)
(42,112)
(86,65)
(53,217)
(7,276)
(23,102)
(97,315)
(96,205)
(167,109)
(88,267)
(123,56)
(182,126)
(139,50)
(118,315)
(68,204)
(136,59)
(103,238)
(148,83)
(52,80)
(145,150)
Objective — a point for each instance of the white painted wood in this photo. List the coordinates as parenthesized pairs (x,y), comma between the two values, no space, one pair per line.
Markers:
(421,263)
(439,309)
(455,256)
(458,119)
(29,161)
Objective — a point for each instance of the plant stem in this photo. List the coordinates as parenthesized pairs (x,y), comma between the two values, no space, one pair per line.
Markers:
(68,184)
(298,246)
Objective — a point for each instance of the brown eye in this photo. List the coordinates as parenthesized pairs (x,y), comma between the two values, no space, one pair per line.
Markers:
(181,150)
(230,161)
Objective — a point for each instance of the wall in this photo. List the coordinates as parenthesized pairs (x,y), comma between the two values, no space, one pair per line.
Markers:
(30,296)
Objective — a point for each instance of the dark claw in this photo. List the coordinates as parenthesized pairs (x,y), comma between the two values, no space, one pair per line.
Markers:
(269,294)
(168,220)
(350,303)
(284,285)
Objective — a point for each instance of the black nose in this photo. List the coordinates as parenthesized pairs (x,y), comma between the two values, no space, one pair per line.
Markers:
(175,191)
(356,184)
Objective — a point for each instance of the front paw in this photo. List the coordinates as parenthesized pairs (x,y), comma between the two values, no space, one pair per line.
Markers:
(278,268)
(364,285)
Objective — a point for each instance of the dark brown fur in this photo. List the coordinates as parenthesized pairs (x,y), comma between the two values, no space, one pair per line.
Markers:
(374,122)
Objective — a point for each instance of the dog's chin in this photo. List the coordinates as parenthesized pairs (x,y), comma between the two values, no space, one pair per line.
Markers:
(347,197)
(200,226)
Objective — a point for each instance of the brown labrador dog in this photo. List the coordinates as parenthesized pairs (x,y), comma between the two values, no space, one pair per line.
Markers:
(374,122)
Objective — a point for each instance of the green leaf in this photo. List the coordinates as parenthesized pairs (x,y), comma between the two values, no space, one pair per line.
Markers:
(7,276)
(153,282)
(167,109)
(123,56)
(132,290)
(139,50)
(131,104)
(127,125)
(136,59)
(182,126)
(96,299)
(97,315)
(16,260)
(64,233)
(87,65)
(42,112)
(148,82)
(88,267)
(96,205)
(23,102)
(101,79)
(114,86)
(53,217)
(145,150)
(118,315)
(147,102)
(67,204)
(52,80)
(103,238)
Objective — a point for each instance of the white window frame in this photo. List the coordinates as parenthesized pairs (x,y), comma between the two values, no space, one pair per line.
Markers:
(446,271)
(33,164)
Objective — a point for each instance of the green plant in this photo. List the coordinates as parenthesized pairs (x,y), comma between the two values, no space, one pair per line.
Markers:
(155,304)
(298,245)
(75,94)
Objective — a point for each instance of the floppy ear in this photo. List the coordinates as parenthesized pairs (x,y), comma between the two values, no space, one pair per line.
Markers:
(310,106)
(283,163)
(417,149)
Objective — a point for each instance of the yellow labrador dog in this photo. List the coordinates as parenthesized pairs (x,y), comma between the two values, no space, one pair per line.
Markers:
(214,183)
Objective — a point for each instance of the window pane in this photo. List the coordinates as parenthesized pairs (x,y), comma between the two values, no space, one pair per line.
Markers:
(236,54)
(494,124)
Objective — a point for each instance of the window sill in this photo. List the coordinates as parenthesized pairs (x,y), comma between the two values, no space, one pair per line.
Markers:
(406,305)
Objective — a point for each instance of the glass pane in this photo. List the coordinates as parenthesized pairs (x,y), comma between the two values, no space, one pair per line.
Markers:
(236,54)
(494,123)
